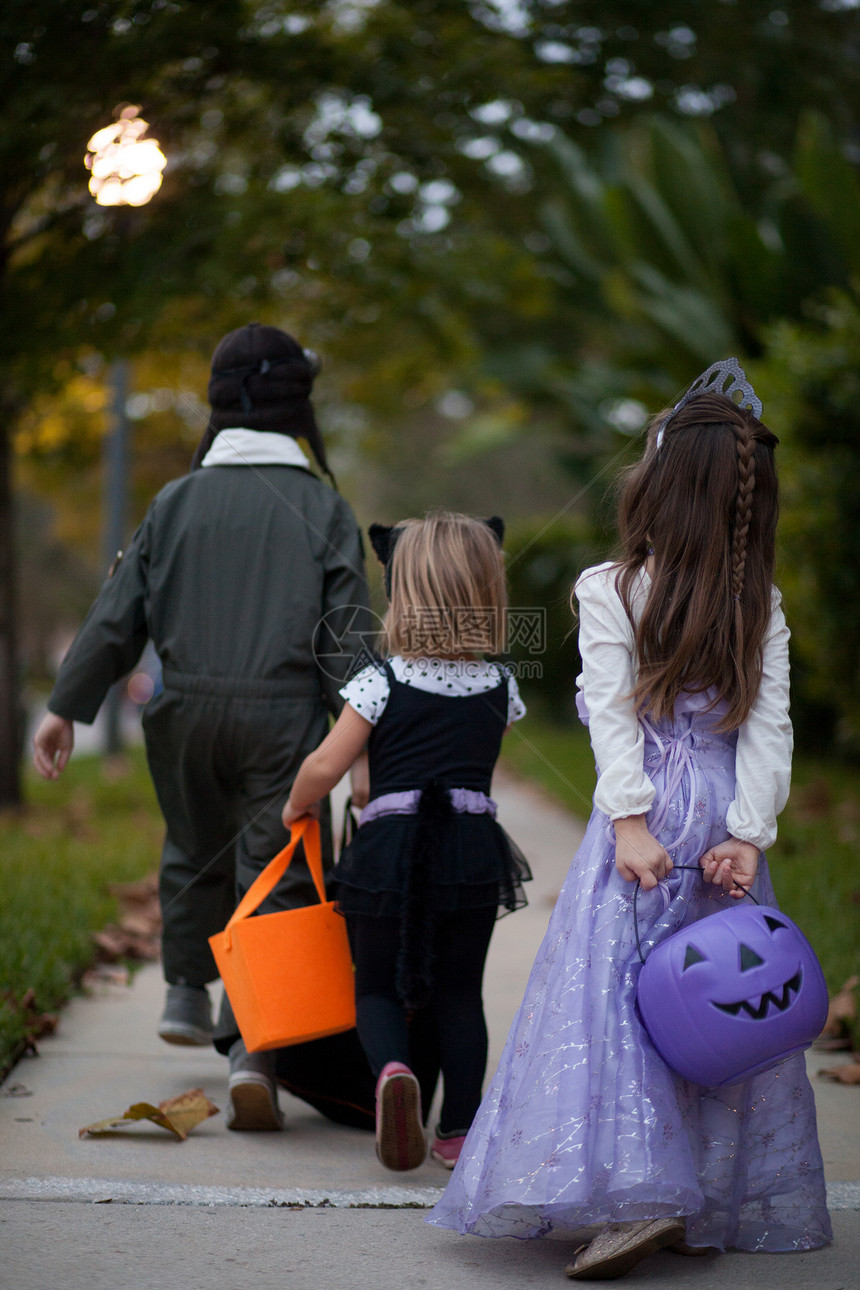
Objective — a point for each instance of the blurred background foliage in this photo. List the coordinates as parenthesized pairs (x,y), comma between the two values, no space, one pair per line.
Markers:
(514,229)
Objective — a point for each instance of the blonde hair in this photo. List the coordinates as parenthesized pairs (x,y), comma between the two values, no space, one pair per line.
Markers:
(448,593)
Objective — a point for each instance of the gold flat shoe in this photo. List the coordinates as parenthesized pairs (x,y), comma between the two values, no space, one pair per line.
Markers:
(620,1246)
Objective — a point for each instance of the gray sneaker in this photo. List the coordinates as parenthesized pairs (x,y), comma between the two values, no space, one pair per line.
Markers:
(187,1016)
(252,1090)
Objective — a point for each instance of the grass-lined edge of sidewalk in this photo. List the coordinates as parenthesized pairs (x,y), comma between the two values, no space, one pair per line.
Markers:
(97,825)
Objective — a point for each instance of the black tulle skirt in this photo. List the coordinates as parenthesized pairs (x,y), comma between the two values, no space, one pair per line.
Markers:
(459,861)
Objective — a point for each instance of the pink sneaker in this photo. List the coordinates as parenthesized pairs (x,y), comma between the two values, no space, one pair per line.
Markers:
(447,1150)
(400,1142)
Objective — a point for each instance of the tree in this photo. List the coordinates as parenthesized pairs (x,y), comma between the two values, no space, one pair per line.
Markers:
(809,377)
(240,132)
(669,271)
(70,65)
(354,164)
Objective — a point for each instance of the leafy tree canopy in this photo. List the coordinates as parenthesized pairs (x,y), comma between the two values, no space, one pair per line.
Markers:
(432,192)
(337,159)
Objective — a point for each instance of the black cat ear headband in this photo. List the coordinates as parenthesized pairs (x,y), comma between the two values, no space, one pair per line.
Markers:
(384,537)
(724,377)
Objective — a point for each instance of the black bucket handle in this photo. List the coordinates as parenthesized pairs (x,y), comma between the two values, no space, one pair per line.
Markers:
(739,885)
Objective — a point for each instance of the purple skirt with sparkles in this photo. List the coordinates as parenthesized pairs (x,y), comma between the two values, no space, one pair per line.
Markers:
(583,1122)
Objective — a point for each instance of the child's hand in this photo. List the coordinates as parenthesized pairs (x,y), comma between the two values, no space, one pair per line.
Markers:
(289,814)
(638,854)
(730,862)
(52,745)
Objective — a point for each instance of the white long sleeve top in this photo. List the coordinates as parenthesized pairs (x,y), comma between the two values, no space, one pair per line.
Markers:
(764,746)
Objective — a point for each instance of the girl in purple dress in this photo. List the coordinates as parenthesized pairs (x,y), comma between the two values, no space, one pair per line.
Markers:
(684,688)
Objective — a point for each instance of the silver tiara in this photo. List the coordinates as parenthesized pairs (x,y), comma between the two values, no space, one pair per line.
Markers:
(713,381)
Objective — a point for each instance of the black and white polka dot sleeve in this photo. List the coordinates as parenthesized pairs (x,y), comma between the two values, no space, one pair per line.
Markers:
(367,693)
(516,707)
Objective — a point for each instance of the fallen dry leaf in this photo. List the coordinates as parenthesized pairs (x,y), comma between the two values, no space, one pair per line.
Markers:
(837,1044)
(137,925)
(138,935)
(140,1111)
(37,1024)
(178,1115)
(840,1014)
(111,941)
(142,892)
(843,1005)
(187,1110)
(102,974)
(122,943)
(849,1073)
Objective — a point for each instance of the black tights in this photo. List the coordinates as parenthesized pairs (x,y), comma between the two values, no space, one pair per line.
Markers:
(460,944)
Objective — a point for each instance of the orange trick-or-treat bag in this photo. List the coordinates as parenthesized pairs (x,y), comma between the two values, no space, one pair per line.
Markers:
(289,975)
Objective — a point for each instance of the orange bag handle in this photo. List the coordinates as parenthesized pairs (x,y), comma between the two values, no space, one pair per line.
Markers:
(306,828)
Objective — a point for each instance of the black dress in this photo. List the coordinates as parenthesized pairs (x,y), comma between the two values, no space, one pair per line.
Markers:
(447,859)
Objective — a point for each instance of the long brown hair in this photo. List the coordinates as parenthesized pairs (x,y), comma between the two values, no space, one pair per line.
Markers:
(705,505)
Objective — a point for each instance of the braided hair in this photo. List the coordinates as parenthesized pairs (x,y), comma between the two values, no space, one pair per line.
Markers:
(743,513)
(704,506)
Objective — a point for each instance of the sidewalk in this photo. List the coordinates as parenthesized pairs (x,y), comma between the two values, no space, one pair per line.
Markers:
(309,1207)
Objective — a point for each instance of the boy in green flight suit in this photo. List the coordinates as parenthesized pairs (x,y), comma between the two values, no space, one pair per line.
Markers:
(248,576)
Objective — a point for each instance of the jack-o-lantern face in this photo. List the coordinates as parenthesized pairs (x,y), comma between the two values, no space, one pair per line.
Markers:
(764,990)
(732,994)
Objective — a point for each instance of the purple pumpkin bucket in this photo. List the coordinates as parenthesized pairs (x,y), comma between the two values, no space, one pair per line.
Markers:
(731,995)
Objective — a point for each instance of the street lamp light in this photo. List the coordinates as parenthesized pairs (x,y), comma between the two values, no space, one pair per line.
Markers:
(125,167)
(125,170)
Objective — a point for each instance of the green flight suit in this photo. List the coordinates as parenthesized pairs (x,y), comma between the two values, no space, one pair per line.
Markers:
(230,575)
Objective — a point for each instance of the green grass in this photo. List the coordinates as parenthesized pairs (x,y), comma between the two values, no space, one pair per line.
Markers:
(813,862)
(93,827)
